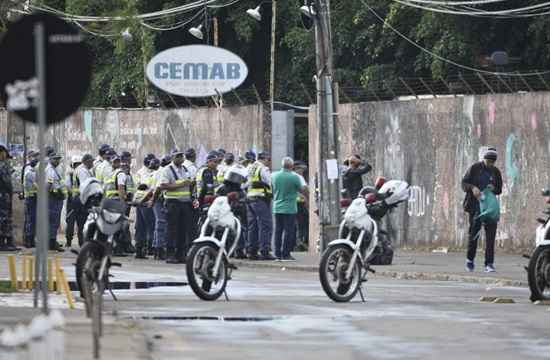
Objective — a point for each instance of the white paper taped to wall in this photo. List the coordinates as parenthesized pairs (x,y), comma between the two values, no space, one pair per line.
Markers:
(332,169)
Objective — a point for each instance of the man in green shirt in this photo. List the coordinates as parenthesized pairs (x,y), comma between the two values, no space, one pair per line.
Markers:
(286,185)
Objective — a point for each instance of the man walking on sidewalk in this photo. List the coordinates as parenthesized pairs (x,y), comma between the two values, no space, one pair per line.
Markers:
(481,175)
(286,185)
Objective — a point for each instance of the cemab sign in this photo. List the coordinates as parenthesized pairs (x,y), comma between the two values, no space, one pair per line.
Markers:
(197,70)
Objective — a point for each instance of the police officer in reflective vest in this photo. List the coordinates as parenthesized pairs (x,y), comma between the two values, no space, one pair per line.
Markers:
(177,185)
(82,173)
(115,188)
(57,194)
(260,221)
(30,190)
(131,188)
(73,202)
(145,217)
(206,178)
(6,194)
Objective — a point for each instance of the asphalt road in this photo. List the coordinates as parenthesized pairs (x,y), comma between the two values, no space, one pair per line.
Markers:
(274,314)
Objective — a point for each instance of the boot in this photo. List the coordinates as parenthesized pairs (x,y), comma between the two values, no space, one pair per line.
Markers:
(171,256)
(55,246)
(161,253)
(140,253)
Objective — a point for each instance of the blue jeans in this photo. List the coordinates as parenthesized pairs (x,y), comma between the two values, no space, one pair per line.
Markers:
(260,226)
(54,212)
(30,221)
(159,240)
(145,227)
(285,224)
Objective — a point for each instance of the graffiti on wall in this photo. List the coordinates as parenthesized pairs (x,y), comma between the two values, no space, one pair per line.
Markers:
(418,200)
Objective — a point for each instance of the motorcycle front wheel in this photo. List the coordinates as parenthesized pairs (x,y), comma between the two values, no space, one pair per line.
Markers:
(335,262)
(200,265)
(538,273)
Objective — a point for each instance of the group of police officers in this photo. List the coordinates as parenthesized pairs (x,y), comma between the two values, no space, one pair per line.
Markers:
(170,195)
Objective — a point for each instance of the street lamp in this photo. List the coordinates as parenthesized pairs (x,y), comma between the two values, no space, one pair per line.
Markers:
(197,32)
(255,13)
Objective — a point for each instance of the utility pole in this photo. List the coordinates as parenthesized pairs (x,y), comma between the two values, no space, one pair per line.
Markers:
(272,56)
(329,205)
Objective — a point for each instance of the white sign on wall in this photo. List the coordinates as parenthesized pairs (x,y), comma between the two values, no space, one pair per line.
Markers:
(197,70)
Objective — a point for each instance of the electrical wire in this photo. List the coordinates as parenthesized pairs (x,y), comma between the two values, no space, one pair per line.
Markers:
(174,26)
(93,32)
(441,58)
(507,12)
(453,3)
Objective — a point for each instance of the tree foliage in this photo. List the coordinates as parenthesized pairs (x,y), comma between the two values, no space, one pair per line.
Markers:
(366,50)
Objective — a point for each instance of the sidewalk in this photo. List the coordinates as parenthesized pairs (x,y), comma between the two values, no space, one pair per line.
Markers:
(122,340)
(411,265)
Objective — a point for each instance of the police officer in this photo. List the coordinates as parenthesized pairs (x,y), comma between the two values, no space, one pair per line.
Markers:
(6,195)
(157,203)
(82,173)
(131,188)
(73,202)
(102,157)
(235,177)
(189,163)
(104,170)
(57,193)
(249,159)
(260,221)
(30,190)
(145,217)
(177,186)
(144,170)
(229,161)
(206,178)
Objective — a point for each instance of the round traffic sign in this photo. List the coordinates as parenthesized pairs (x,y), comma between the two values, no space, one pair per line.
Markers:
(68,68)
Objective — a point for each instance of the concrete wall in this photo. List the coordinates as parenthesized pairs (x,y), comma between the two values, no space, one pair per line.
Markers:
(235,129)
(431,143)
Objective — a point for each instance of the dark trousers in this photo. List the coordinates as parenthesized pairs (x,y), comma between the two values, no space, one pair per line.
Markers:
(6,225)
(179,216)
(54,213)
(260,226)
(30,222)
(302,222)
(240,213)
(145,228)
(285,234)
(474,233)
(159,210)
(74,218)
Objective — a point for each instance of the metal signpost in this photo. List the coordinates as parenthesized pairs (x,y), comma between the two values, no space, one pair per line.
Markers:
(43,79)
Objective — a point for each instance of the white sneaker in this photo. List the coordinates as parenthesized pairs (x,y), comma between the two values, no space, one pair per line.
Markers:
(489,268)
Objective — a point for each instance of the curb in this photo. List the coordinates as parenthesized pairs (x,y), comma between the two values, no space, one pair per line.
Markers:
(399,275)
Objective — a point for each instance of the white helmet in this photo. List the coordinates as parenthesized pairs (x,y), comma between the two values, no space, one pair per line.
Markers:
(89,188)
(76,159)
(236,174)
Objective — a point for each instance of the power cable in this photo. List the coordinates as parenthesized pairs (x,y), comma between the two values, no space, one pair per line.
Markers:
(439,57)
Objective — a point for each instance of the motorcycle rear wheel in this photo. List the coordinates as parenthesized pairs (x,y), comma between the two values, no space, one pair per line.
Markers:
(334,264)
(538,273)
(199,265)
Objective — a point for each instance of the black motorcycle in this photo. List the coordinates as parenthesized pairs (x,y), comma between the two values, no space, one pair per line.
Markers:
(538,270)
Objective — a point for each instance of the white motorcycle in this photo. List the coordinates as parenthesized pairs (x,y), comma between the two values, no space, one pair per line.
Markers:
(346,261)
(208,266)
(538,270)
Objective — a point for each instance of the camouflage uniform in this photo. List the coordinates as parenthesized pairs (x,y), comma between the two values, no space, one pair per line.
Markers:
(6,192)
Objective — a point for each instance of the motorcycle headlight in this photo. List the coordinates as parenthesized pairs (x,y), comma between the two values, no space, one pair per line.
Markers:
(110,217)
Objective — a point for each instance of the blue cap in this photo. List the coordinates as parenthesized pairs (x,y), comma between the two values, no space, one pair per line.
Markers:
(125,155)
(213,153)
(166,159)
(263,155)
(250,155)
(153,162)
(190,152)
(176,152)
(221,151)
(229,156)
(211,157)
